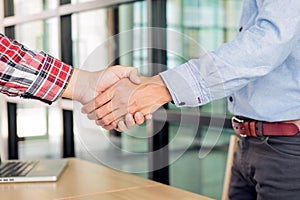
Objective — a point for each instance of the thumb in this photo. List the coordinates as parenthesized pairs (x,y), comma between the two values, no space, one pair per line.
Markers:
(134,76)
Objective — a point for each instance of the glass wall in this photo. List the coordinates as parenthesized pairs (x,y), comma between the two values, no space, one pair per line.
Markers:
(97,24)
(89,30)
(25,8)
(208,22)
(80,1)
(119,31)
(92,37)
(204,25)
(32,118)
(43,38)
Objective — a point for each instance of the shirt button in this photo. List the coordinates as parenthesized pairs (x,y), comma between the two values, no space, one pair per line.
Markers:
(231,99)
(182,103)
(241,28)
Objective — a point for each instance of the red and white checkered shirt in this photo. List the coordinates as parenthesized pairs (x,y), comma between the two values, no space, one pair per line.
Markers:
(31,74)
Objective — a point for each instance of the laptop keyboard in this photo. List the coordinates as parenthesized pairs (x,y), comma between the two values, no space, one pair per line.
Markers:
(17,168)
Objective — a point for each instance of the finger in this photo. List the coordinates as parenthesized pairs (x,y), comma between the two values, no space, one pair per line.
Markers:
(111,117)
(100,100)
(99,113)
(139,118)
(129,121)
(134,76)
(88,107)
(92,115)
(113,125)
(121,126)
(148,116)
(148,110)
(118,130)
(108,128)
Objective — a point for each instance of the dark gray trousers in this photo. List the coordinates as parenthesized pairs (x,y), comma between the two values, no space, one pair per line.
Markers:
(266,168)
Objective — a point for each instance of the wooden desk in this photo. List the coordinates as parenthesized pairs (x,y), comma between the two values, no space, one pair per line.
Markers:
(83,180)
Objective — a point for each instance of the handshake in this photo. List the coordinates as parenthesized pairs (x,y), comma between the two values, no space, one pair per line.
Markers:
(117,97)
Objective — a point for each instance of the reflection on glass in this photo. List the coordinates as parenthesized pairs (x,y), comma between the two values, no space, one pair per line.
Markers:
(80,1)
(32,119)
(191,172)
(89,31)
(43,38)
(132,41)
(25,7)
(208,24)
(140,57)
(132,18)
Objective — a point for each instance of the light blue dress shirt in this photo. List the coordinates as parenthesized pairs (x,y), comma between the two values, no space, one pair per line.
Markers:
(259,71)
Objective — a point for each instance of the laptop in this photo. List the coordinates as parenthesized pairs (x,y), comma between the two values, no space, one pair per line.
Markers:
(12,171)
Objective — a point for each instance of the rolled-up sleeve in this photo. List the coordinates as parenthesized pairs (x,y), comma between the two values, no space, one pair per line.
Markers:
(31,74)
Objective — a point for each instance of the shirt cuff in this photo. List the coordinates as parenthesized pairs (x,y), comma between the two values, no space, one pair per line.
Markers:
(51,80)
(182,87)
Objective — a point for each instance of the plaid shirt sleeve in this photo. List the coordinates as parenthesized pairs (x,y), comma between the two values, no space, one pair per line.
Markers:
(30,74)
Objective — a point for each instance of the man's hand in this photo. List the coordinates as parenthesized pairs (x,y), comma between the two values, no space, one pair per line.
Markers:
(109,108)
(129,121)
(84,85)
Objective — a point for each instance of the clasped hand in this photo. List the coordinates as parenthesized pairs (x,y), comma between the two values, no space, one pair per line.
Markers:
(127,102)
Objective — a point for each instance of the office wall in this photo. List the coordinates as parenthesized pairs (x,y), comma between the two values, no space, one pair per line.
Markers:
(206,24)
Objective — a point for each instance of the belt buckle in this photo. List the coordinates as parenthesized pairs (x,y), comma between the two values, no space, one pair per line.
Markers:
(237,120)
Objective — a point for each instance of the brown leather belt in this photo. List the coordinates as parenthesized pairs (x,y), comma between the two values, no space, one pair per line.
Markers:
(250,127)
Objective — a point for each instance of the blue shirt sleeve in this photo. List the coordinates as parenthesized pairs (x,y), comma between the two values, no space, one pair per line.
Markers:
(271,33)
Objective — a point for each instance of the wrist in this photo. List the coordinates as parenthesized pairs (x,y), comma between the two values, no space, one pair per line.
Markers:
(68,92)
(158,88)
(78,85)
